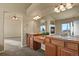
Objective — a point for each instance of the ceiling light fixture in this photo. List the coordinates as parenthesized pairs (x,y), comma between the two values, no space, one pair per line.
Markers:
(68,6)
(56,10)
(63,7)
(14,18)
(36,17)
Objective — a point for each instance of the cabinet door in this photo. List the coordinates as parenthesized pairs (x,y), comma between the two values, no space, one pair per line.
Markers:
(50,49)
(28,41)
(31,42)
(67,52)
(36,45)
(47,40)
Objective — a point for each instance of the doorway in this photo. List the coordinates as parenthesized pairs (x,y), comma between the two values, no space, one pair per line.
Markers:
(12,31)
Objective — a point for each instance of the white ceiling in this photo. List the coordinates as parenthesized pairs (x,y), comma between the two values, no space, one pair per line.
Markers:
(14,7)
(40,9)
(47,9)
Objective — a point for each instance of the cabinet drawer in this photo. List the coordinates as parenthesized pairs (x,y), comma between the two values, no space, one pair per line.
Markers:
(71,45)
(39,40)
(67,52)
(57,42)
(47,40)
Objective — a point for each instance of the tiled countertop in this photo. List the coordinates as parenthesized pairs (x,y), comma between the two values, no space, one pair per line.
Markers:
(66,38)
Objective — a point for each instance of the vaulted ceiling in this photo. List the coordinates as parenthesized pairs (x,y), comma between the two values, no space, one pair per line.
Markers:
(14,7)
(47,9)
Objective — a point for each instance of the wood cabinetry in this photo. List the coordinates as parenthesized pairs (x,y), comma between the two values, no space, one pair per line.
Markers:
(36,45)
(72,46)
(27,40)
(59,47)
(33,42)
(47,40)
(67,52)
(54,46)
(50,50)
(57,42)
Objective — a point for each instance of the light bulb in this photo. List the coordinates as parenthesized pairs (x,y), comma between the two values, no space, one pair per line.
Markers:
(62,8)
(14,18)
(56,10)
(36,17)
(68,6)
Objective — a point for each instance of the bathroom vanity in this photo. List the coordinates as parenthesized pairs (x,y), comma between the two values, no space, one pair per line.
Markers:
(55,45)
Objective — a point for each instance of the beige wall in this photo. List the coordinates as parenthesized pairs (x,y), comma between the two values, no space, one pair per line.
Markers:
(1,31)
(59,22)
(32,27)
(12,28)
(58,26)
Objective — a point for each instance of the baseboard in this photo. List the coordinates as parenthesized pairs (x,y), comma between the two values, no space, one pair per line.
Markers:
(2,51)
(24,46)
(13,37)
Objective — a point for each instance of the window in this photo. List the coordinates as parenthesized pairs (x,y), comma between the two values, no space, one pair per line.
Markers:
(42,28)
(66,27)
(51,29)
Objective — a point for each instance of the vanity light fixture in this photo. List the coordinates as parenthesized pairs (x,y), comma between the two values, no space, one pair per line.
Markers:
(63,7)
(36,17)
